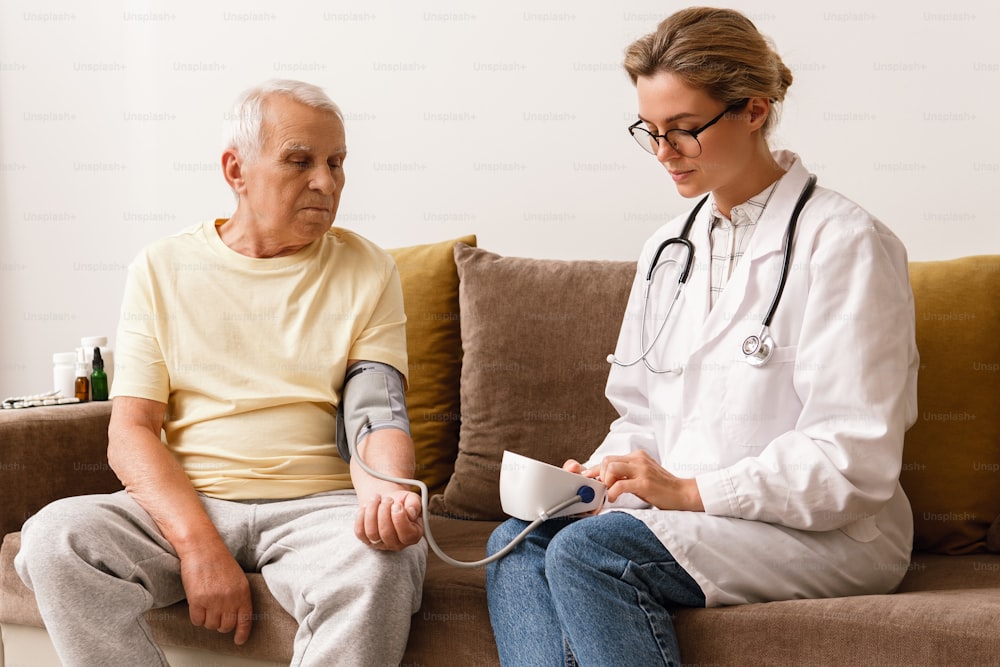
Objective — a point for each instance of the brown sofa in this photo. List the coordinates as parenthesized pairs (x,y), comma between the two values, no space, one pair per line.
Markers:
(509,353)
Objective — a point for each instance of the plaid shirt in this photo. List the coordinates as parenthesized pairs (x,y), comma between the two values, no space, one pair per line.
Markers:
(730,237)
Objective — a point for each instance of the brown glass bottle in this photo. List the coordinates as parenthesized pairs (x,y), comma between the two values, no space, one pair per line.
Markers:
(82,387)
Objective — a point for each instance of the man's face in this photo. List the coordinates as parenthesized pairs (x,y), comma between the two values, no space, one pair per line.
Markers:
(292,190)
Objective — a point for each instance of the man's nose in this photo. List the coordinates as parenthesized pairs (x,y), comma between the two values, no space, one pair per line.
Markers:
(322,180)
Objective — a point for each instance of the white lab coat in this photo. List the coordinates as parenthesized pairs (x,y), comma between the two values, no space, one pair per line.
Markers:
(798,461)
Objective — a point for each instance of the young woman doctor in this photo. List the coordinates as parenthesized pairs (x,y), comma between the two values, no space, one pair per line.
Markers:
(730,480)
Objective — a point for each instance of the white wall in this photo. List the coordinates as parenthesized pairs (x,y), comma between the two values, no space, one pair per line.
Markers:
(505,119)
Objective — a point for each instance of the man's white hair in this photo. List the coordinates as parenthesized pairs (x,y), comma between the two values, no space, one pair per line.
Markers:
(244,127)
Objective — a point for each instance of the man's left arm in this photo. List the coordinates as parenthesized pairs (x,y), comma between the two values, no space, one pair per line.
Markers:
(389,517)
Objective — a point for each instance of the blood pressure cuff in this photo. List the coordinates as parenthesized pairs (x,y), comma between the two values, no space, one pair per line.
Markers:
(372,399)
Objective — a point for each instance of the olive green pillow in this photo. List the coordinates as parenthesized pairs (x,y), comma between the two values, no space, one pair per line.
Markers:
(951,461)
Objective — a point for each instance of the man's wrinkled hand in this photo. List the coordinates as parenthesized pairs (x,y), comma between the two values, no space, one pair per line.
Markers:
(218,594)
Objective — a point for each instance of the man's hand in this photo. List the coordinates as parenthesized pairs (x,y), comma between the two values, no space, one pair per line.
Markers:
(637,473)
(390,521)
(218,592)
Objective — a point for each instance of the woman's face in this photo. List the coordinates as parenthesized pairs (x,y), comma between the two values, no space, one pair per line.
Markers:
(727,148)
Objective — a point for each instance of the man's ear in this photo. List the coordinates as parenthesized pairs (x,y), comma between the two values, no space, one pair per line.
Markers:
(758,109)
(232,169)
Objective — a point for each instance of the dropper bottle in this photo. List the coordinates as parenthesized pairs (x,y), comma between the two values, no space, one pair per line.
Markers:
(99,379)
(81,386)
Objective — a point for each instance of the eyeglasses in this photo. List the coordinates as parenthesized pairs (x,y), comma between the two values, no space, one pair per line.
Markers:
(684,142)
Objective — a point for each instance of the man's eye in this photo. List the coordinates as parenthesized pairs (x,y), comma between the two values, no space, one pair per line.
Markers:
(301,164)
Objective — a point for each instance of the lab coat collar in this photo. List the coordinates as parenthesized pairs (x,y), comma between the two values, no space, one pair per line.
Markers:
(767,238)
(770,233)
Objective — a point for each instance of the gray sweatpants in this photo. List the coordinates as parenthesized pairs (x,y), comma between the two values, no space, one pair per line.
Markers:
(98,563)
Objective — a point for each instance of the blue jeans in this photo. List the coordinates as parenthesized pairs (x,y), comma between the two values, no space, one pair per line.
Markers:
(591,591)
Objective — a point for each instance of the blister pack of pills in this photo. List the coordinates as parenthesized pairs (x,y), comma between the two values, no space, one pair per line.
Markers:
(37,400)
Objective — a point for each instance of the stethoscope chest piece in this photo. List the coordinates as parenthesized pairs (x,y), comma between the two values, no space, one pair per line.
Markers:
(758,349)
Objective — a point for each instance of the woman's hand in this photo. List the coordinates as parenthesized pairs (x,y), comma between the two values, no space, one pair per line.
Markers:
(637,473)
(574,466)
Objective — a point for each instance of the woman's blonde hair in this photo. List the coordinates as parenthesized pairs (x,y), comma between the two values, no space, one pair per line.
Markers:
(719,51)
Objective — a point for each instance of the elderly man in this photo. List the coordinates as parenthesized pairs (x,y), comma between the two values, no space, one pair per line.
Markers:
(235,340)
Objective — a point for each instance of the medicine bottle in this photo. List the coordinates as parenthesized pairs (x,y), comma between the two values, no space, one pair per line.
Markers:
(81,386)
(64,373)
(88,343)
(98,379)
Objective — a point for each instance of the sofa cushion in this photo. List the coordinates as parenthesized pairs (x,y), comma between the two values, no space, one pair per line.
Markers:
(946,612)
(453,624)
(951,462)
(535,335)
(434,346)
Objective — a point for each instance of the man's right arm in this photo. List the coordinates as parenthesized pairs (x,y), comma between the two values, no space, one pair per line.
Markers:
(216,587)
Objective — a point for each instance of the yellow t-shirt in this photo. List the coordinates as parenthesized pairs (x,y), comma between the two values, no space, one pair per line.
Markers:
(249,354)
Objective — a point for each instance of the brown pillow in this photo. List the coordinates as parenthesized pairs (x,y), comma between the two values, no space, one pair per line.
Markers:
(535,335)
(434,347)
(951,462)
(993,537)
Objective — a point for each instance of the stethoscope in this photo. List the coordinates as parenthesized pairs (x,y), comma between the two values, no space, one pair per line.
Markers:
(757,350)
